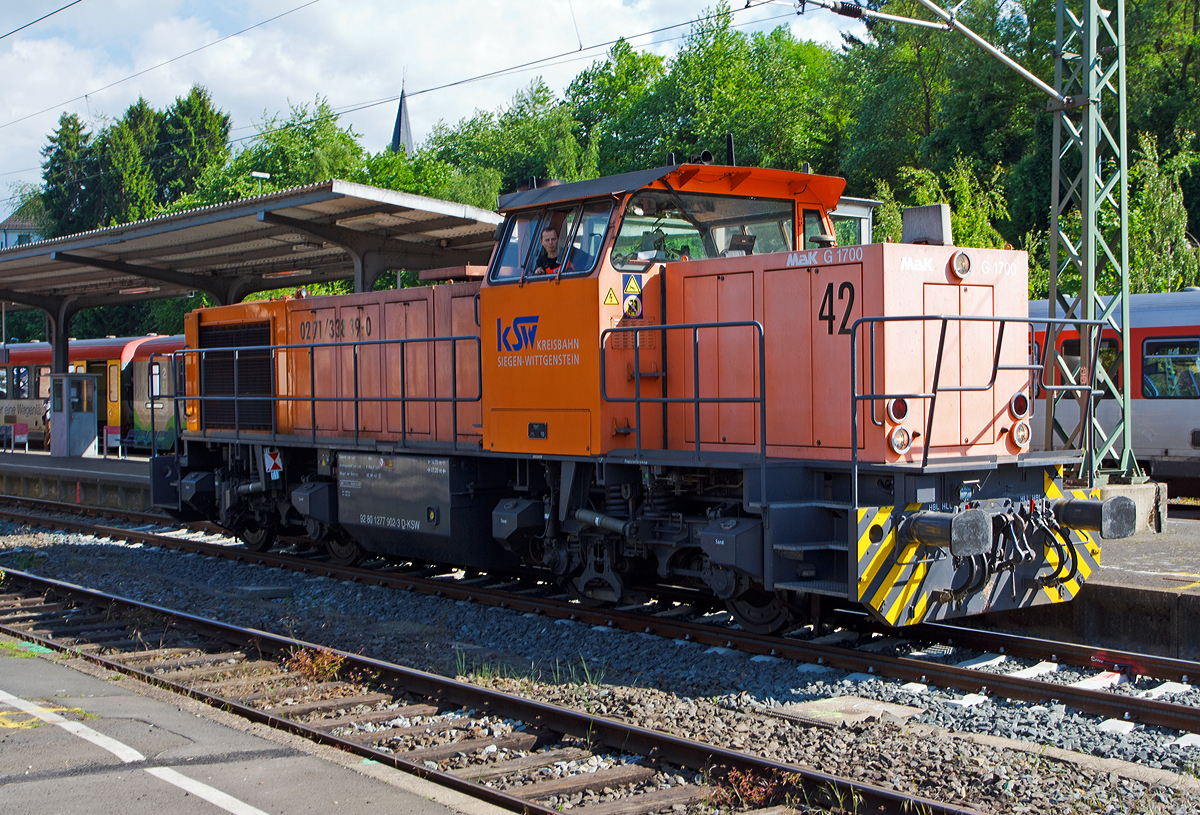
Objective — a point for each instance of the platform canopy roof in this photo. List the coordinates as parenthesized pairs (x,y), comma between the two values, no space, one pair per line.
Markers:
(326,231)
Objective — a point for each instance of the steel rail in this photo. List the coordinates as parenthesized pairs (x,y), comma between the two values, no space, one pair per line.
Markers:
(1103,703)
(616,734)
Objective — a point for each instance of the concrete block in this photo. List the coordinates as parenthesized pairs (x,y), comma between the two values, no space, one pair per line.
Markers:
(1151,501)
(850,710)
(983,661)
(1104,679)
(1116,726)
(970,700)
(1035,670)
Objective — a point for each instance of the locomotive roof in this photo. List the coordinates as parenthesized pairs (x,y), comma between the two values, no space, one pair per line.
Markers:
(763,182)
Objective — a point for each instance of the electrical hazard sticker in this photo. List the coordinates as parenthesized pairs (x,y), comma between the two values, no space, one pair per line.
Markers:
(610,299)
(631,285)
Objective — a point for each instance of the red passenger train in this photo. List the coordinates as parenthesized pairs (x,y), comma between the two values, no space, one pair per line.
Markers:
(134,388)
(1164,359)
(673,378)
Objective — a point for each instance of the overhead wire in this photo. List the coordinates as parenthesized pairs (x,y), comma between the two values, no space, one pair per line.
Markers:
(161,64)
(551,61)
(39,19)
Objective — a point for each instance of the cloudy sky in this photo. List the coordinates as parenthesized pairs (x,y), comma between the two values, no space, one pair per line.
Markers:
(353,52)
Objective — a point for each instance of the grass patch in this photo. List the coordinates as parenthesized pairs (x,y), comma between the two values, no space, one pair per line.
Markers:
(14,649)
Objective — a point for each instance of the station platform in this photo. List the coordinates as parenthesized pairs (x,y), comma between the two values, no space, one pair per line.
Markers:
(117,483)
(127,748)
(1145,598)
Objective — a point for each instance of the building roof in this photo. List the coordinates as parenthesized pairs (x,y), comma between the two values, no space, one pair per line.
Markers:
(15,221)
(316,233)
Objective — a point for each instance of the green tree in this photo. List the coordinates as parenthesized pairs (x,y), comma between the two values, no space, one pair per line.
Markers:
(127,170)
(306,147)
(194,135)
(606,99)
(71,178)
(533,137)
(1163,257)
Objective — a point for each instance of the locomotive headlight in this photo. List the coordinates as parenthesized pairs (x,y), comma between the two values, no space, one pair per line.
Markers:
(1019,405)
(900,440)
(897,410)
(1021,434)
(960,264)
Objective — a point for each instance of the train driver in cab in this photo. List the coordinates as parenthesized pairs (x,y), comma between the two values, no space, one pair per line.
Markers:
(548,260)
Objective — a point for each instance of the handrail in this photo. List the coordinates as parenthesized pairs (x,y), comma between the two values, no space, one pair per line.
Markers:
(695,399)
(874,397)
(179,360)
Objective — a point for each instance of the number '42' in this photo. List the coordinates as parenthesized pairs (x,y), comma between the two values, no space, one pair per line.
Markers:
(844,292)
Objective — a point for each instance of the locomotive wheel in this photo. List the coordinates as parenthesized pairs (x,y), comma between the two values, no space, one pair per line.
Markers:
(587,599)
(344,552)
(758,612)
(257,538)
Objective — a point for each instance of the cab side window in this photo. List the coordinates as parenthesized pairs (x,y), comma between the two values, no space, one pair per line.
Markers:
(813,226)
(519,240)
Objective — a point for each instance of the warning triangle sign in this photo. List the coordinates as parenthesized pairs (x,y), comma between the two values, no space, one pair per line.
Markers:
(633,285)
(610,299)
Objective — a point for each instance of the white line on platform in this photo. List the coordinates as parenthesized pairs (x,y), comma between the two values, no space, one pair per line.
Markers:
(129,755)
(213,796)
(121,751)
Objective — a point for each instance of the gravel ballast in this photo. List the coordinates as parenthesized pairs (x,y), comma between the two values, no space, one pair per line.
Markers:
(718,695)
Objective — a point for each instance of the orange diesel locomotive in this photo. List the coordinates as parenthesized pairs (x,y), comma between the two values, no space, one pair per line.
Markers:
(669,378)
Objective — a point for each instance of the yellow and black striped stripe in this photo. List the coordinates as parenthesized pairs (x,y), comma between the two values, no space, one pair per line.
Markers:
(902,583)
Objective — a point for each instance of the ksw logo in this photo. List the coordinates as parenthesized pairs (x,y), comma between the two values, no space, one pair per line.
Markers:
(916,264)
(802,258)
(517,337)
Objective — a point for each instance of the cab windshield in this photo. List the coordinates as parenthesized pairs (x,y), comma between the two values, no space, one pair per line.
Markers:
(661,225)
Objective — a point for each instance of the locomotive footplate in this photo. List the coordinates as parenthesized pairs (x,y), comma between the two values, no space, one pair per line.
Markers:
(916,564)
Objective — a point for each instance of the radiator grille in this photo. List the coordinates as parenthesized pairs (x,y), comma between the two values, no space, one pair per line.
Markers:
(255,373)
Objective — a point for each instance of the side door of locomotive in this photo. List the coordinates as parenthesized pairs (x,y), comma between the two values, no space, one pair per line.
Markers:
(540,329)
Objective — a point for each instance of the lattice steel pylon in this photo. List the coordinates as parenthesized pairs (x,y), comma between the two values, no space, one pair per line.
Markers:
(1091,191)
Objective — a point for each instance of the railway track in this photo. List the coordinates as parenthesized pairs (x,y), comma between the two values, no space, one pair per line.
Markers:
(516,753)
(1097,694)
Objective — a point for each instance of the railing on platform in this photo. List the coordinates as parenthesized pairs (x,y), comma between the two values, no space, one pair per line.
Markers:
(178,364)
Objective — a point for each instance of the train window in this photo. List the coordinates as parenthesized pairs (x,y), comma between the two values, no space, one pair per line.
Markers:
(519,238)
(540,262)
(1171,369)
(43,383)
(661,225)
(813,226)
(584,246)
(1110,358)
(20,383)
(3,383)
(155,380)
(114,383)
